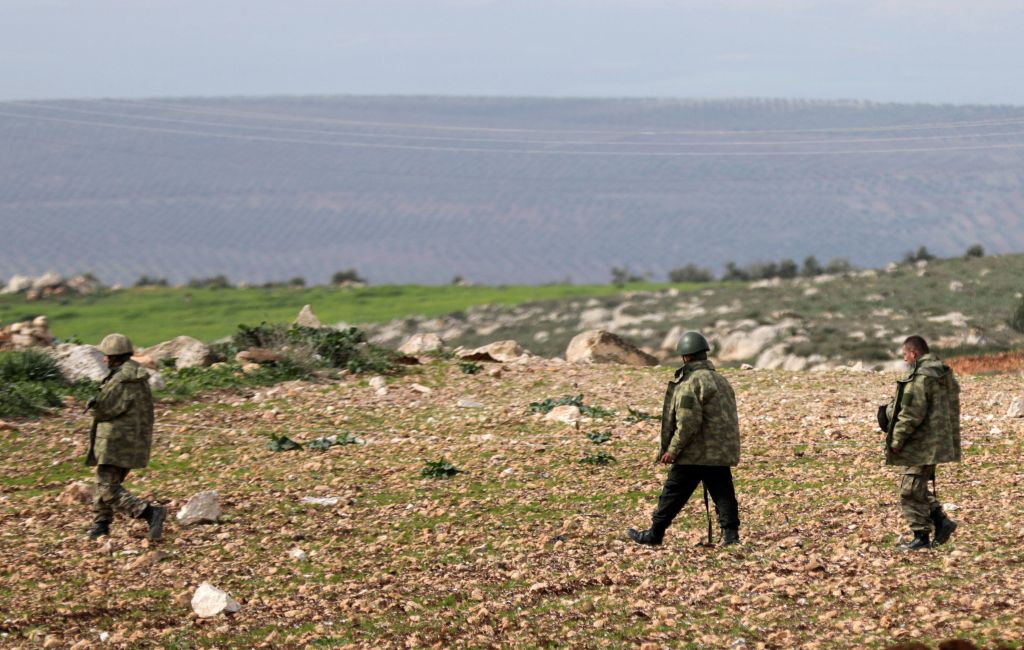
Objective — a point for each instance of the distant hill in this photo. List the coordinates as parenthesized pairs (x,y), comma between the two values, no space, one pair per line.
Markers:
(420,189)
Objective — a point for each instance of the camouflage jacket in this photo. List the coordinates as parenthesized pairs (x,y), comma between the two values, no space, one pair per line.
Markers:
(699,423)
(924,417)
(122,427)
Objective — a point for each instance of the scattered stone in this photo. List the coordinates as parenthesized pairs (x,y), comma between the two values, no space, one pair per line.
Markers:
(418,344)
(249,368)
(469,404)
(258,355)
(298,554)
(77,492)
(77,362)
(307,318)
(746,366)
(420,388)
(378,382)
(1016,408)
(156,380)
(208,601)
(600,346)
(956,285)
(202,508)
(186,352)
(495,372)
(500,351)
(7,426)
(568,413)
(148,560)
(320,501)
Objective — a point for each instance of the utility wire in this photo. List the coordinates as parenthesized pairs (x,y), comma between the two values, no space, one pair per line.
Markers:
(530,152)
(616,143)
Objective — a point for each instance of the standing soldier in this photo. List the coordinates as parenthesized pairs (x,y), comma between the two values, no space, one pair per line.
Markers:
(121,438)
(700,438)
(923,429)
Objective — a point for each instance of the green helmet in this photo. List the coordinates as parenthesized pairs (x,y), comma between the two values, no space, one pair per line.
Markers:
(691,343)
(113,345)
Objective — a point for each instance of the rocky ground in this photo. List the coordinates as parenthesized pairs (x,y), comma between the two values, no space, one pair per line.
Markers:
(526,547)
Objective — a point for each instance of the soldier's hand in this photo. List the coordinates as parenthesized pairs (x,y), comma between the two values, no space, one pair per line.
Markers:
(668,458)
(91,404)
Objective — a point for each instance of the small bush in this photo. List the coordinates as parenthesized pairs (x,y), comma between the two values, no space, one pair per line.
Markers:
(640,416)
(185,383)
(212,282)
(31,383)
(690,273)
(600,458)
(326,442)
(282,443)
(1017,318)
(547,405)
(470,367)
(310,347)
(439,469)
(599,437)
(977,250)
(348,276)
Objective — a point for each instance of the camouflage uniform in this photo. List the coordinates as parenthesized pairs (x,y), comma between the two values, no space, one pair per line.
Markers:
(700,427)
(924,430)
(121,439)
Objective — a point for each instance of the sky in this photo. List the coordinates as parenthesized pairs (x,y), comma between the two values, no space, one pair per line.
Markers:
(929,51)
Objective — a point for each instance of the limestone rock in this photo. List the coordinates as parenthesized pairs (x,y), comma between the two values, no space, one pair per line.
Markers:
(422,344)
(202,508)
(307,318)
(599,346)
(17,284)
(469,404)
(148,560)
(156,380)
(77,362)
(500,351)
(298,554)
(378,382)
(568,413)
(77,492)
(249,368)
(186,351)
(257,355)
(740,345)
(208,601)
(1016,408)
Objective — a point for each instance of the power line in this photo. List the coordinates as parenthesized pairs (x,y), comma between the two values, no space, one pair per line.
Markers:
(925,138)
(528,152)
(637,132)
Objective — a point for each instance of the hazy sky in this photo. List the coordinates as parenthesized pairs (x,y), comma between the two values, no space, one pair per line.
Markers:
(955,51)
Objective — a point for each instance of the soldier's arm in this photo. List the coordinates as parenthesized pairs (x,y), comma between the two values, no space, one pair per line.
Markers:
(913,409)
(112,402)
(689,413)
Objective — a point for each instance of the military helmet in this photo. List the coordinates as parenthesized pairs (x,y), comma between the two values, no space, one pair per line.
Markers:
(691,343)
(113,345)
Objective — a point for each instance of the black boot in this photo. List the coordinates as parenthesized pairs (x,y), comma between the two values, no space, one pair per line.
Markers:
(920,541)
(730,536)
(99,529)
(154,516)
(944,526)
(649,537)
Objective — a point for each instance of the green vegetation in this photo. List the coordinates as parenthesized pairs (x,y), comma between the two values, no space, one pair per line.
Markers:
(310,348)
(439,469)
(600,458)
(599,437)
(470,367)
(31,384)
(282,443)
(153,314)
(548,404)
(189,382)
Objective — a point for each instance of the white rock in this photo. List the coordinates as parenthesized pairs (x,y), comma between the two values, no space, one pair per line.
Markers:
(469,404)
(17,284)
(48,279)
(209,601)
(1016,408)
(156,380)
(320,501)
(307,318)
(600,346)
(594,318)
(378,382)
(382,391)
(956,285)
(77,362)
(671,339)
(740,345)
(746,366)
(502,351)
(104,637)
(567,413)
(298,554)
(420,388)
(418,344)
(186,351)
(203,507)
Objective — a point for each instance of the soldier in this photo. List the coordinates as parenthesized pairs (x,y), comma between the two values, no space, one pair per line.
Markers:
(922,430)
(121,437)
(700,438)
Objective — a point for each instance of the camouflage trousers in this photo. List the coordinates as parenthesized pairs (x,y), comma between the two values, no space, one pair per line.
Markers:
(916,501)
(111,497)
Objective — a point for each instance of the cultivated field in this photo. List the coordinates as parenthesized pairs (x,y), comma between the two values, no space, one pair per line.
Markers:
(527,547)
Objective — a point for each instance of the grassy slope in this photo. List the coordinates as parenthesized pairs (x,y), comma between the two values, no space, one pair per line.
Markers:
(152,315)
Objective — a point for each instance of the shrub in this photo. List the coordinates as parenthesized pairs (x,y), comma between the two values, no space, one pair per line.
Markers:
(31,383)
(470,367)
(29,365)
(547,405)
(213,282)
(347,276)
(600,458)
(977,250)
(282,443)
(690,273)
(621,275)
(439,469)
(838,265)
(812,267)
(309,347)
(1017,318)
(640,416)
(599,437)
(147,281)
